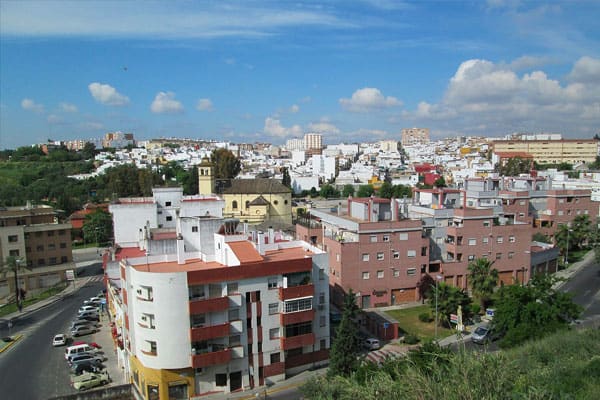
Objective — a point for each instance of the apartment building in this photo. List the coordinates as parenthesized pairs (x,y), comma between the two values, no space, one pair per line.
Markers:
(572,151)
(412,136)
(313,141)
(372,251)
(34,235)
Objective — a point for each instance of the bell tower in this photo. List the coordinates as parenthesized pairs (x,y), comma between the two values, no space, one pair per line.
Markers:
(206,177)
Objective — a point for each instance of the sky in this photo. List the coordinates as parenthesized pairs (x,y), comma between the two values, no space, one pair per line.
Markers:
(268,71)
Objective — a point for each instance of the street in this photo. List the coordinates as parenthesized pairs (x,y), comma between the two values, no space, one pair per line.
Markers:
(33,368)
(585,287)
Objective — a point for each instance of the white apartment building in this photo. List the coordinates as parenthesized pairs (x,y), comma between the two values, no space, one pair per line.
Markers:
(313,141)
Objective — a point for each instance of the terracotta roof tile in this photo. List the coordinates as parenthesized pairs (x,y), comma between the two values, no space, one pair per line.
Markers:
(258,185)
(245,252)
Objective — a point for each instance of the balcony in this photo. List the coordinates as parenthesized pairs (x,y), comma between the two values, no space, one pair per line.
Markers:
(297,317)
(295,292)
(209,305)
(212,358)
(210,332)
(308,358)
(293,342)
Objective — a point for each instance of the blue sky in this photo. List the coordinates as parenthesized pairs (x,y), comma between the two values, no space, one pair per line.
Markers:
(251,71)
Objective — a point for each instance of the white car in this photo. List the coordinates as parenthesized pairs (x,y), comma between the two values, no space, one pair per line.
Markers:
(59,340)
(93,301)
(87,308)
(371,344)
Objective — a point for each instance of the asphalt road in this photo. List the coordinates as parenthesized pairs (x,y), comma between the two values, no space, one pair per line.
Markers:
(585,287)
(33,369)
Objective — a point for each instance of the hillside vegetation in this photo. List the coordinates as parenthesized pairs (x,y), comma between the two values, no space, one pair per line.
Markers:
(565,365)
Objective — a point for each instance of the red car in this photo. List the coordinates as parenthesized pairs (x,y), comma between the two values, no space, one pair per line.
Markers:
(92,344)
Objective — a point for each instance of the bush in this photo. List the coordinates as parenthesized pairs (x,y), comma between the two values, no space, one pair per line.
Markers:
(475,308)
(425,317)
(411,339)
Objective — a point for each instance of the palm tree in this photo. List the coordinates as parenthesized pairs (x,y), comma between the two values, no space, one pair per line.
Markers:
(482,279)
(14,264)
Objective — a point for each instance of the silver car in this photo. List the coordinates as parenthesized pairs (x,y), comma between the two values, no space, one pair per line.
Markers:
(83,330)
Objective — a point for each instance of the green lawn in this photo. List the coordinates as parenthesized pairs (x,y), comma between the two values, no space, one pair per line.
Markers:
(12,307)
(408,321)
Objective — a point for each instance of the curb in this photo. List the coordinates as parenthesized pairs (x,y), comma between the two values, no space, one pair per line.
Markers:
(16,338)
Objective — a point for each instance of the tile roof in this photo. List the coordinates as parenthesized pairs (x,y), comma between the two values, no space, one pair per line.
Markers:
(258,185)
(259,201)
(245,252)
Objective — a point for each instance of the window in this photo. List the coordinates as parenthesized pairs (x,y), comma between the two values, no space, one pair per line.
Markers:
(322,298)
(168,204)
(234,340)
(63,259)
(41,261)
(472,242)
(14,253)
(285,202)
(234,314)
(275,202)
(272,283)
(511,254)
(337,257)
(232,288)
(198,320)
(52,261)
(51,246)
(522,202)
(499,239)
(411,253)
(386,238)
(321,274)
(511,239)
(194,229)
(40,247)
(220,379)
(323,344)
(411,271)
(365,275)
(403,236)
(247,203)
(298,305)
(152,345)
(302,328)
(63,245)
(50,233)
(275,358)
(373,238)
(498,256)
(380,274)
(379,256)
(471,257)
(61,232)
(396,273)
(169,218)
(13,239)
(274,333)
(322,321)
(234,205)
(396,254)
(365,257)
(486,223)
(485,240)
(561,212)
(273,308)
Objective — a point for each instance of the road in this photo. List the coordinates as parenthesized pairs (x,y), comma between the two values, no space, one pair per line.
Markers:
(32,368)
(585,287)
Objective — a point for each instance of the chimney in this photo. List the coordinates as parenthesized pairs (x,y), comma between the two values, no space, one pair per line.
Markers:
(271,235)
(260,243)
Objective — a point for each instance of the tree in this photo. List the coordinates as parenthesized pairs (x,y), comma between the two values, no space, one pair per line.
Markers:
(425,287)
(365,191)
(540,237)
(386,190)
(401,191)
(483,280)
(440,182)
(15,265)
(89,151)
(343,359)
(448,300)
(347,190)
(286,180)
(328,191)
(514,166)
(227,165)
(530,311)
(97,227)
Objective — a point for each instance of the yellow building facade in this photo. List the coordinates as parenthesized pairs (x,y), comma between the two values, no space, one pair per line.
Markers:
(258,200)
(571,151)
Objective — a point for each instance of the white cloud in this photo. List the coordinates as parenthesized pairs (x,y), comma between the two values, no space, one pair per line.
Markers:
(30,105)
(91,126)
(586,70)
(68,107)
(165,103)
(54,119)
(107,95)
(294,108)
(323,127)
(369,99)
(273,127)
(204,105)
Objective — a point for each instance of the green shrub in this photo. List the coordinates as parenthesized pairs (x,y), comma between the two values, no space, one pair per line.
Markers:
(425,317)
(475,308)
(411,339)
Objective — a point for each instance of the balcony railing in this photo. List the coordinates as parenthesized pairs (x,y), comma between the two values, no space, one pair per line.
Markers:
(209,305)
(293,342)
(210,332)
(297,317)
(296,292)
(212,358)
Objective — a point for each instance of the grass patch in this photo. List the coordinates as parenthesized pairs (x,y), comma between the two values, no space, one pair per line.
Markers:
(409,322)
(12,307)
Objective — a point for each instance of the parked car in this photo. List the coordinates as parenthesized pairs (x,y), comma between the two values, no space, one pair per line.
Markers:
(83,322)
(371,344)
(91,380)
(89,317)
(85,308)
(483,334)
(85,357)
(92,301)
(83,330)
(91,344)
(59,340)
(86,366)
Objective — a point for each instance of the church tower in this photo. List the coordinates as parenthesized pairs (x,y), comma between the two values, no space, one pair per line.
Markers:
(206,177)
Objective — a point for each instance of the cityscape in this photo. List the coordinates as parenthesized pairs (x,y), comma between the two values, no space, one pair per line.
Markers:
(282,216)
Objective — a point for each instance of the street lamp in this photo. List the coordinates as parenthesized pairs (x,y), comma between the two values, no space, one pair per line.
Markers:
(567,251)
(437,278)
(17,290)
